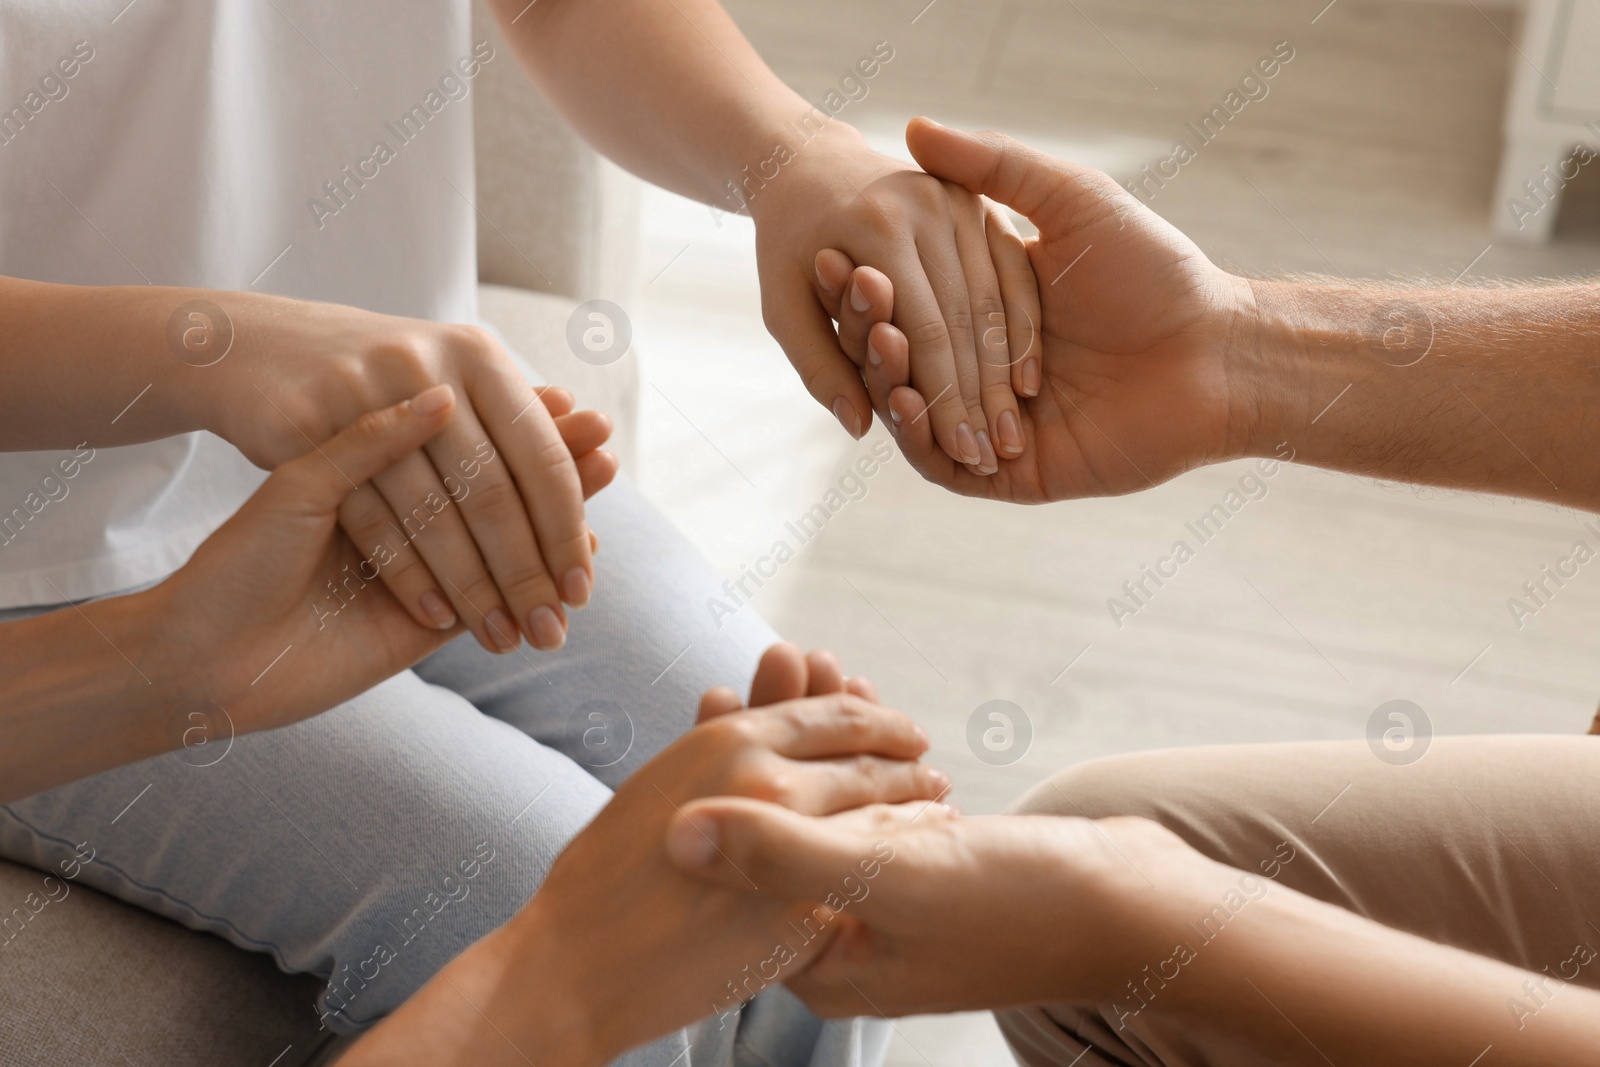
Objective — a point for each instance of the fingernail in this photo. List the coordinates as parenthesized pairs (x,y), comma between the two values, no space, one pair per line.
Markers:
(502,631)
(858,299)
(437,608)
(872,356)
(895,415)
(545,628)
(1011,439)
(575,587)
(826,288)
(431,400)
(693,841)
(1030,377)
(846,414)
(968,445)
(986,462)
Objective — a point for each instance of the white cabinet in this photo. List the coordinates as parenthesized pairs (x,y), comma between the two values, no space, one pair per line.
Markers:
(1552,127)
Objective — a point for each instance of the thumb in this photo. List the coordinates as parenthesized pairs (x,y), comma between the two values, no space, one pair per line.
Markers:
(742,844)
(1004,169)
(317,482)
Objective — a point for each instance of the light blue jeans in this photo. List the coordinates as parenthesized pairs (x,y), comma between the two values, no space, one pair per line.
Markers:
(373,843)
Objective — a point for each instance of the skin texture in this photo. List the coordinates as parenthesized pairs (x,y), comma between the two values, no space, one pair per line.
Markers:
(506,545)
(673,91)
(1157,361)
(120,679)
(618,946)
(1010,910)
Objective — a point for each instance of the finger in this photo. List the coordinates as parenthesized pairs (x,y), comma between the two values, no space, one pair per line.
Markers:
(584,431)
(1046,190)
(869,300)
(833,269)
(780,676)
(828,786)
(429,520)
(802,326)
(908,416)
(938,326)
(375,532)
(826,676)
(997,403)
(839,725)
(717,702)
(734,841)
(1019,290)
(862,687)
(317,482)
(595,471)
(557,401)
(543,472)
(888,367)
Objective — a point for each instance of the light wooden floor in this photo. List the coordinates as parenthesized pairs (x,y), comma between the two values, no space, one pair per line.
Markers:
(1373,156)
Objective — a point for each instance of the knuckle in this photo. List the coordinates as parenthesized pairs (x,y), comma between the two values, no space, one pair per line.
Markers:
(373,423)
(927,333)
(497,500)
(527,582)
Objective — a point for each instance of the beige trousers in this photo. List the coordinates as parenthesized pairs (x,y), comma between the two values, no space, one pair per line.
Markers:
(1490,844)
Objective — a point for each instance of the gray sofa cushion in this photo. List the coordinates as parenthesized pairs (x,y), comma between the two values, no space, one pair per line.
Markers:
(85,979)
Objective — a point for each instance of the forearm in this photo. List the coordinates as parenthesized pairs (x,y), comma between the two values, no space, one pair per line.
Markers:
(84,363)
(1492,390)
(1303,982)
(85,690)
(669,89)
(509,980)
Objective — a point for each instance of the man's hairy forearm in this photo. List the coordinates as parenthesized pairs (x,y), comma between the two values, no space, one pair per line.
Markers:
(669,89)
(90,364)
(1482,389)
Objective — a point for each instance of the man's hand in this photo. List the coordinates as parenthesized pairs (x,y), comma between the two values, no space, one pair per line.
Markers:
(963,291)
(487,521)
(618,946)
(1136,334)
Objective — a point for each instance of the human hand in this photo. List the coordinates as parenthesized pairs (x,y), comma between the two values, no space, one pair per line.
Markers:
(1139,335)
(618,946)
(278,580)
(953,914)
(487,520)
(963,290)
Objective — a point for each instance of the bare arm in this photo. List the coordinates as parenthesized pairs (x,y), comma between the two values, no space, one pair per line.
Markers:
(1484,389)
(74,358)
(1046,909)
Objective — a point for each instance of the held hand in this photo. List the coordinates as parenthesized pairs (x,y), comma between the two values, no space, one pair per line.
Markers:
(1137,338)
(963,290)
(618,946)
(294,620)
(952,914)
(488,518)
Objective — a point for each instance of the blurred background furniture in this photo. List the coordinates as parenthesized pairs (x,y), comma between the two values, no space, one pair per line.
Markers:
(89,980)
(1553,107)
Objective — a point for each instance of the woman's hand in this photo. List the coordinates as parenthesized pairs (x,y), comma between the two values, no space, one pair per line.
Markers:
(963,290)
(286,618)
(618,946)
(488,516)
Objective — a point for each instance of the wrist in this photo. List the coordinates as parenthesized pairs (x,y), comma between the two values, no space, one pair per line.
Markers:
(535,967)
(808,148)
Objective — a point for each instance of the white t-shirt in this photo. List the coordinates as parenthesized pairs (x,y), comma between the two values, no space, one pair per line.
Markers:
(224,145)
